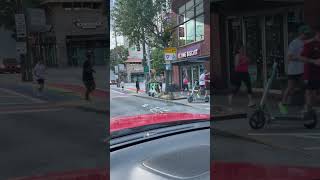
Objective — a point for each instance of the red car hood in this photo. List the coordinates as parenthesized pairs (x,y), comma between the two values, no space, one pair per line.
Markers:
(126,122)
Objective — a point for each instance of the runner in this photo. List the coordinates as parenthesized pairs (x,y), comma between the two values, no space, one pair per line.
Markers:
(138,86)
(311,56)
(39,73)
(241,75)
(295,65)
(87,76)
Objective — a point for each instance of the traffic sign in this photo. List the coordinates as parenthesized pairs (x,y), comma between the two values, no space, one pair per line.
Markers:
(146,69)
(170,54)
(21,25)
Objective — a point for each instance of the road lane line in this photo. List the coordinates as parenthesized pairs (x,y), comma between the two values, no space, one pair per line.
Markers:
(22,95)
(117,91)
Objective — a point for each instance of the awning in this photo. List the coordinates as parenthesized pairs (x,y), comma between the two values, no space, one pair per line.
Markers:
(192,60)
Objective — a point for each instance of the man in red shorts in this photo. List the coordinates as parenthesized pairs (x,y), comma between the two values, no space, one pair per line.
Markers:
(311,56)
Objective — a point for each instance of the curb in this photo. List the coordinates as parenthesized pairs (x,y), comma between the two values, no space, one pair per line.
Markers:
(225,117)
(162,100)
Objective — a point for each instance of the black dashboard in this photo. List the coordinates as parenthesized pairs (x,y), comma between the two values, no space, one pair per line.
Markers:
(175,156)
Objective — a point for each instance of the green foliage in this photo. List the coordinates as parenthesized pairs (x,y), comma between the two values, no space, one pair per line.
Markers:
(157,62)
(142,20)
(118,55)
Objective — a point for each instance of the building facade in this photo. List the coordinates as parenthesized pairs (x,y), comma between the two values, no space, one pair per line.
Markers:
(134,70)
(78,26)
(264,27)
(192,34)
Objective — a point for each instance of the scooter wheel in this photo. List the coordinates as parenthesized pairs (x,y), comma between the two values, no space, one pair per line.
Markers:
(207,99)
(312,116)
(257,120)
(190,99)
(152,94)
(149,93)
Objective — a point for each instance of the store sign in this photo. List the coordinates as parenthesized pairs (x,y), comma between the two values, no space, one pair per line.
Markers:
(189,52)
(170,54)
(88,25)
(20,25)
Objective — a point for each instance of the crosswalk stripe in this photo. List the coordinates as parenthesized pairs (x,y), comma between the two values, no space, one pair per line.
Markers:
(21,95)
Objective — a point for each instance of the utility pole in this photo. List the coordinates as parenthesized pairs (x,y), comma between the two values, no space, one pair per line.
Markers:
(23,41)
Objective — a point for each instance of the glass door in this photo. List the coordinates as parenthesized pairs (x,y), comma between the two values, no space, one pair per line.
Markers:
(275,46)
(253,41)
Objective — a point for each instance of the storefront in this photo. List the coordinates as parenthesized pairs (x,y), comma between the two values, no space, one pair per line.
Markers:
(192,35)
(190,64)
(265,29)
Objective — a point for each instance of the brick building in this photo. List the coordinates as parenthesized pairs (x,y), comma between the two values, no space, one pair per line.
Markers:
(78,26)
(265,27)
(134,70)
(192,39)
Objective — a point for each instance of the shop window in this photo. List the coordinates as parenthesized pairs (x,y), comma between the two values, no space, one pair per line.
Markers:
(77,6)
(67,6)
(87,5)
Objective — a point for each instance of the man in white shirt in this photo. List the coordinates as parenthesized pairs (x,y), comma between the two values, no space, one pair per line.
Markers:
(295,65)
(39,74)
(202,82)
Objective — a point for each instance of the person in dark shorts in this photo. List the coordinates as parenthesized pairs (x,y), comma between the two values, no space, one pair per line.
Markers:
(311,56)
(87,76)
(241,75)
(138,86)
(39,73)
(295,65)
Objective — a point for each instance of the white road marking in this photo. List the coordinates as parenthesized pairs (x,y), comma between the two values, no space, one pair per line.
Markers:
(117,91)
(22,95)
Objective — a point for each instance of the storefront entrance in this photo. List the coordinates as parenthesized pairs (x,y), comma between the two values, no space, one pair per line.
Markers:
(192,72)
(264,38)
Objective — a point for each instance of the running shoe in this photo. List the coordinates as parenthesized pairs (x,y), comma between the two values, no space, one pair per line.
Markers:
(283,108)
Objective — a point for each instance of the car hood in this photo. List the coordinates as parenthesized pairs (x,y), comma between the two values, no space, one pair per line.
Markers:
(126,122)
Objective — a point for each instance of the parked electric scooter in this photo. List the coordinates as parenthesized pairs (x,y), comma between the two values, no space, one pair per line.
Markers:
(196,95)
(261,116)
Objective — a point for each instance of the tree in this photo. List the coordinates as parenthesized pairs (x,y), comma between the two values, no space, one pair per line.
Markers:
(118,55)
(143,22)
(158,60)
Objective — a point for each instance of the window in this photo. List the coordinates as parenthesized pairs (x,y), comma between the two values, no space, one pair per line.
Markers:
(191,22)
(200,28)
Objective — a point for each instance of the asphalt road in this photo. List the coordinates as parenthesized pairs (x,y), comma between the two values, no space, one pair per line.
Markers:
(126,104)
(285,144)
(39,136)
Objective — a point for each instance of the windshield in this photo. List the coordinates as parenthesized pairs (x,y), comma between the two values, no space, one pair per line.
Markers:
(159,76)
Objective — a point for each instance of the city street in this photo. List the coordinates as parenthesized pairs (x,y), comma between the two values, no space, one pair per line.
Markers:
(54,132)
(279,144)
(128,103)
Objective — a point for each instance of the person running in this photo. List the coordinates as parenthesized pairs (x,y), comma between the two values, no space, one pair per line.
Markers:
(122,85)
(138,86)
(185,84)
(39,73)
(241,75)
(295,65)
(87,77)
(311,56)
